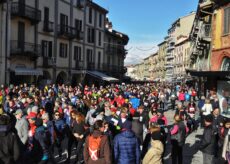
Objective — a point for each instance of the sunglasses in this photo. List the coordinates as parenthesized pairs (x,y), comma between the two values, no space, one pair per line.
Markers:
(57,114)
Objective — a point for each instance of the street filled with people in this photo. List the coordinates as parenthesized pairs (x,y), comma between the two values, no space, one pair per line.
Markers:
(113,124)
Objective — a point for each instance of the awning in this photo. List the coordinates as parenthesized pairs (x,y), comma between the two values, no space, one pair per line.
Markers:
(27,71)
(102,76)
(220,74)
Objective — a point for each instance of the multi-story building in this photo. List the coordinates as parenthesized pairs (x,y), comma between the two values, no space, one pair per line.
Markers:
(115,52)
(161,59)
(57,40)
(153,66)
(220,58)
(181,27)
(146,63)
(201,36)
(181,57)
(210,49)
(131,71)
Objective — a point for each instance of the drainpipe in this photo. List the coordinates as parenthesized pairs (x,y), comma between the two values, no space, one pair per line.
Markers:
(7,40)
(70,42)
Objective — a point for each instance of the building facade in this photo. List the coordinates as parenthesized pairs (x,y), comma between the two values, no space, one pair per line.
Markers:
(220,57)
(181,27)
(161,60)
(53,41)
(201,36)
(181,58)
(154,66)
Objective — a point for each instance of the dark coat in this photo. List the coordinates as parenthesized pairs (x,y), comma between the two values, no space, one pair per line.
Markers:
(208,141)
(126,148)
(137,128)
(9,146)
(104,153)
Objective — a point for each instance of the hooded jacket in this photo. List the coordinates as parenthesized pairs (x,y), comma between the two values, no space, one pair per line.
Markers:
(126,148)
(154,154)
(9,146)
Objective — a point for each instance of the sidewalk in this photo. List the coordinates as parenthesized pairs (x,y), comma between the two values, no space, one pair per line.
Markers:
(191,155)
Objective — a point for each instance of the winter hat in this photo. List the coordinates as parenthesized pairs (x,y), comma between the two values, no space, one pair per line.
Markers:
(208,118)
(127,125)
(34,109)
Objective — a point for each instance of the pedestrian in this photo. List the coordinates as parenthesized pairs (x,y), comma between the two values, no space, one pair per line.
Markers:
(97,148)
(80,131)
(226,145)
(155,152)
(126,146)
(208,141)
(9,145)
(22,127)
(137,127)
(178,136)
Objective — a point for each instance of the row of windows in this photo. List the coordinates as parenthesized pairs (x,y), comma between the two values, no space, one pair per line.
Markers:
(63,51)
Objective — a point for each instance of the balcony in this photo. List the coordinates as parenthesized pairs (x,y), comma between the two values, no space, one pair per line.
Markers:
(77,34)
(206,32)
(168,66)
(169,57)
(79,65)
(25,11)
(80,4)
(18,48)
(90,66)
(67,31)
(48,26)
(49,62)
(206,4)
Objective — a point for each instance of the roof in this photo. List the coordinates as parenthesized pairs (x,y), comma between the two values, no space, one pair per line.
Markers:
(162,43)
(96,6)
(118,34)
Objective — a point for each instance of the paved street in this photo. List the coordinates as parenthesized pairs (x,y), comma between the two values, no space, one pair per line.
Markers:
(190,153)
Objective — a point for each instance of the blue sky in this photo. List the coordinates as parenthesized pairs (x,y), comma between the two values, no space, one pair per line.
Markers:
(145,22)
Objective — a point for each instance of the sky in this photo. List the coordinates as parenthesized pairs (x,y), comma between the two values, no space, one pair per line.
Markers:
(146,22)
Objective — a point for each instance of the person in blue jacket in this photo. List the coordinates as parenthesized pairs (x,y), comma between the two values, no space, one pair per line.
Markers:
(135,101)
(126,146)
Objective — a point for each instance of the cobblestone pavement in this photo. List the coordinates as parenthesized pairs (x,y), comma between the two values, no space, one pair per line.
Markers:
(191,155)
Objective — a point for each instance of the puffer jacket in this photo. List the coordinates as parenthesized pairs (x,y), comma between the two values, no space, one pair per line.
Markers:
(126,148)
(154,154)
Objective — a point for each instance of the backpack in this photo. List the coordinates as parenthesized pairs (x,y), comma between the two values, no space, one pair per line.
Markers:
(94,147)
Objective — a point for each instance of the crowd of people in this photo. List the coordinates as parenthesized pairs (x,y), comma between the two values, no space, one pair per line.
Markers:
(120,124)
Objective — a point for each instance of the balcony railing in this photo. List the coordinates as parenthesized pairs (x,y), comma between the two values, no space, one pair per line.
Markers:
(206,32)
(25,11)
(79,65)
(49,61)
(25,48)
(110,49)
(67,31)
(48,26)
(77,34)
(80,4)
(90,66)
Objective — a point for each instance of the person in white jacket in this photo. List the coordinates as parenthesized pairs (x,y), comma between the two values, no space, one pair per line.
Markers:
(207,108)
(226,145)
